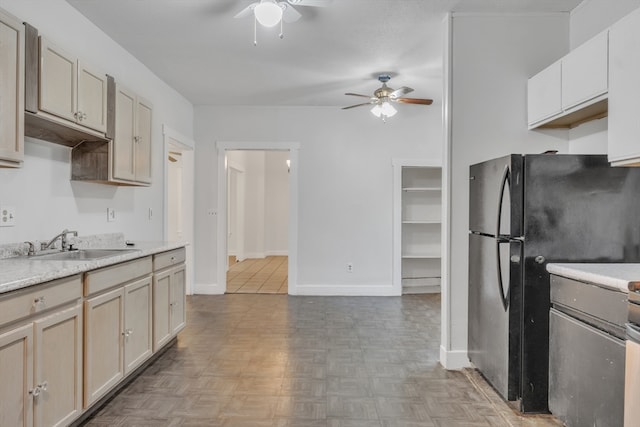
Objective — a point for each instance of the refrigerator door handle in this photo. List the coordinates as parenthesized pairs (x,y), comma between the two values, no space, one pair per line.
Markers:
(506,180)
(504,296)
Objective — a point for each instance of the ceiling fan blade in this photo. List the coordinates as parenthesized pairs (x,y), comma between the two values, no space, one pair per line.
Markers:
(314,3)
(246,11)
(362,96)
(358,105)
(414,101)
(399,92)
(289,14)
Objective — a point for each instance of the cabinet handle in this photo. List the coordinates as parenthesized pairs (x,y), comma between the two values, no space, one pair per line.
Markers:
(43,385)
(127,332)
(39,302)
(35,392)
(136,139)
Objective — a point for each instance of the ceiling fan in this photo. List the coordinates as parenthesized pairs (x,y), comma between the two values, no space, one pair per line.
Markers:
(271,12)
(384,96)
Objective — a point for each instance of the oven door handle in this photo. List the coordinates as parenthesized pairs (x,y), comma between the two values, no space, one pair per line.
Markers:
(633,332)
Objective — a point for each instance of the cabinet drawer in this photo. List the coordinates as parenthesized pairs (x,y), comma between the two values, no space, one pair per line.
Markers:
(169,258)
(38,298)
(105,278)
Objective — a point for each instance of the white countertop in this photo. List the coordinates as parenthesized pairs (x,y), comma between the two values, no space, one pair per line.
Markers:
(618,276)
(21,272)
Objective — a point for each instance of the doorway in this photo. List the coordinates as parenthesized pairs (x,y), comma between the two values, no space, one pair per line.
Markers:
(179,196)
(225,182)
(257,221)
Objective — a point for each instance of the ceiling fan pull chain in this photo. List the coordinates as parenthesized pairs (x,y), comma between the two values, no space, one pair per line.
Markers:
(281,29)
(255,31)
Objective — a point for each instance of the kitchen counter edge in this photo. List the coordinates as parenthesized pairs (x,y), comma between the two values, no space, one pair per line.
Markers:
(22,272)
(621,277)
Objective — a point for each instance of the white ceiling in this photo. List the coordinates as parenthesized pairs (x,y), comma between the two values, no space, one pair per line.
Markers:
(198,48)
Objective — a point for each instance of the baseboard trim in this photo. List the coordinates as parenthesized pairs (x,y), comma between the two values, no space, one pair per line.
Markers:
(277,253)
(346,290)
(454,359)
(208,289)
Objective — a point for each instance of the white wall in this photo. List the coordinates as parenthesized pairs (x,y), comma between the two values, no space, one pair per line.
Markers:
(45,199)
(345,185)
(491,59)
(276,203)
(587,20)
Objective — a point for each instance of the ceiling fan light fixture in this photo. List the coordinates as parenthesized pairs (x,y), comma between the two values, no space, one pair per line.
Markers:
(268,13)
(376,110)
(388,109)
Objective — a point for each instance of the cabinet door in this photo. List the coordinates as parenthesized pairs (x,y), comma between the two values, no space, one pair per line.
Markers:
(16,371)
(624,90)
(92,98)
(178,300)
(58,74)
(58,368)
(138,345)
(544,94)
(103,344)
(162,331)
(585,71)
(122,144)
(11,91)
(143,141)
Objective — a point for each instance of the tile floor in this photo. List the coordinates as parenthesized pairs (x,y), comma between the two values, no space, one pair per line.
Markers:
(258,276)
(277,360)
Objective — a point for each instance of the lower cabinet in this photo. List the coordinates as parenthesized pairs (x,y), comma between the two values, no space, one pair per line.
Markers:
(16,371)
(103,352)
(117,326)
(168,296)
(60,353)
(41,357)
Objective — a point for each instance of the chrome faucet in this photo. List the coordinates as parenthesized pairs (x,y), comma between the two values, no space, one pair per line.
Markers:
(63,240)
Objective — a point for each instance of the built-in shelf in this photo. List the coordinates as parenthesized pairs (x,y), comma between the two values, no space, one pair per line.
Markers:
(419,196)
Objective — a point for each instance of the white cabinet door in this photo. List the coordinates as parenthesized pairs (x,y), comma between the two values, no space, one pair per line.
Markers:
(103,344)
(92,98)
(544,94)
(142,143)
(58,74)
(178,300)
(16,371)
(11,91)
(624,91)
(58,368)
(585,72)
(138,345)
(161,309)
(123,166)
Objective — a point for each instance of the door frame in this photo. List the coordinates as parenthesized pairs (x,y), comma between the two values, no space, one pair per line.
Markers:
(175,141)
(223,260)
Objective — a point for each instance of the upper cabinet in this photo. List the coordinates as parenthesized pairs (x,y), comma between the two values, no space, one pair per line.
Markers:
(624,92)
(545,94)
(11,91)
(70,89)
(65,101)
(131,153)
(573,90)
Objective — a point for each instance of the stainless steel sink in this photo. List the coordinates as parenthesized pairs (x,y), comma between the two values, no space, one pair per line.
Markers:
(81,254)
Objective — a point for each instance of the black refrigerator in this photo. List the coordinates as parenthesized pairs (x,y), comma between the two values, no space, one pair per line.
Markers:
(524,212)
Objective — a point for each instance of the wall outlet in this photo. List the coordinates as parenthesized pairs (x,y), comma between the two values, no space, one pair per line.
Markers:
(7,216)
(349,267)
(111,215)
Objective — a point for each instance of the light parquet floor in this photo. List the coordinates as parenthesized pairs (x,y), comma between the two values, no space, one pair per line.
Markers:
(285,361)
(258,276)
